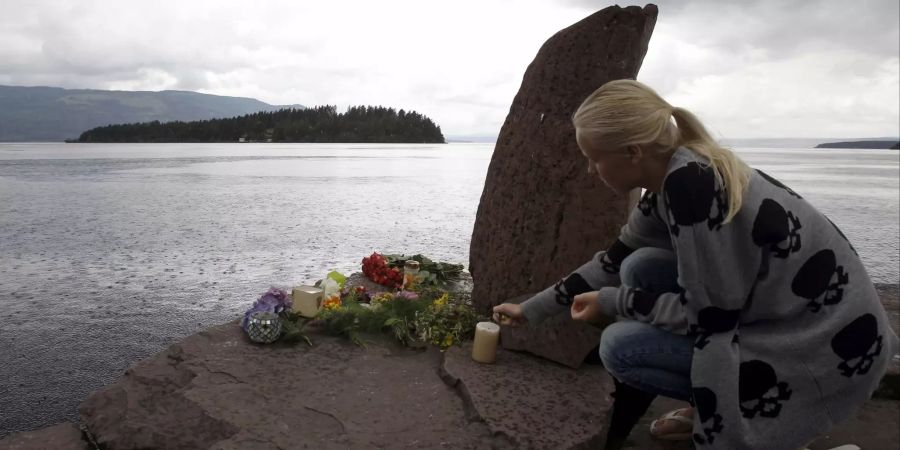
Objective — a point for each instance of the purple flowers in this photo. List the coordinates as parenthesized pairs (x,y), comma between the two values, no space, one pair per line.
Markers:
(274,301)
(408,295)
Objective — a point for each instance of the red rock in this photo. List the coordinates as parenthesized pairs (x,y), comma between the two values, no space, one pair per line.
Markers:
(215,389)
(541,215)
(533,403)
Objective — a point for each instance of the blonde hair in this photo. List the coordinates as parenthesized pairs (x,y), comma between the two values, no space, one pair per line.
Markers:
(626,112)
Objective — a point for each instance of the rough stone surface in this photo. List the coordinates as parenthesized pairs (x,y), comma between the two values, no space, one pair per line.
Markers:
(531,402)
(541,215)
(64,436)
(216,389)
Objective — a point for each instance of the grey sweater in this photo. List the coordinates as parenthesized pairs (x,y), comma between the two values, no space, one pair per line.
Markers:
(790,335)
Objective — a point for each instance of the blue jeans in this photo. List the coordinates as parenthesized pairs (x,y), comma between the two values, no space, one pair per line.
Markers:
(641,355)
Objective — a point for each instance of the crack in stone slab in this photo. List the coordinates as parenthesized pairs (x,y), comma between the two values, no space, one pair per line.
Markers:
(343,427)
(469,409)
(519,396)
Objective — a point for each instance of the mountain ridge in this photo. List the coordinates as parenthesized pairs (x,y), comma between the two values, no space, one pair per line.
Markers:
(47,113)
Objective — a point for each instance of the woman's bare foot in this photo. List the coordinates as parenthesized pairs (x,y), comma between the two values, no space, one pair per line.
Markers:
(674,425)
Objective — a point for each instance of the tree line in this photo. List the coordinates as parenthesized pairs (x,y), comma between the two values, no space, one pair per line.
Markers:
(371,124)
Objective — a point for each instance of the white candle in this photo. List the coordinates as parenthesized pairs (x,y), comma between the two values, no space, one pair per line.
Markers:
(307,300)
(487,335)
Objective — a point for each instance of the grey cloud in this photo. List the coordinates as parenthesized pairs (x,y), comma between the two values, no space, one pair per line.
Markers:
(267,51)
(783,28)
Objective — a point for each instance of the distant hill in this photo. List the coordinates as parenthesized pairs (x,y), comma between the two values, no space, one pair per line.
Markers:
(54,114)
(795,143)
(377,124)
(892,144)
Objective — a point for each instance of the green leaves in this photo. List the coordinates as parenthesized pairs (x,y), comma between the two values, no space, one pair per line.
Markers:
(437,318)
(338,277)
(292,326)
(431,273)
(447,323)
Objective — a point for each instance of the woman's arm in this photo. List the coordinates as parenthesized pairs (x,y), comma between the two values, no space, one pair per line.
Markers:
(644,229)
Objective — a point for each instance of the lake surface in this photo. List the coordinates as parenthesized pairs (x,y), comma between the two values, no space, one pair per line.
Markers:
(110,252)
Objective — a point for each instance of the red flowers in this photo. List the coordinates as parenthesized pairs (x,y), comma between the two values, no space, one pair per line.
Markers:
(376,268)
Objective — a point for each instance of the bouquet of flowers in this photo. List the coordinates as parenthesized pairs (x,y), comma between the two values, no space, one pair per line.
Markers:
(447,321)
(375,267)
(431,273)
(427,314)
(387,270)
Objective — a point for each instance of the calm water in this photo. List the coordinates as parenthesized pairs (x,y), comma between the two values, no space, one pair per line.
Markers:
(110,252)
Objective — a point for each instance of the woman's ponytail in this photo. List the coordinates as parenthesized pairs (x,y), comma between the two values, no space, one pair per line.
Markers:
(731,171)
(627,112)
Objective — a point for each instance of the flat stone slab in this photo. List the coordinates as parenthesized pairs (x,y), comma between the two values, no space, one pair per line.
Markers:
(216,389)
(64,436)
(532,402)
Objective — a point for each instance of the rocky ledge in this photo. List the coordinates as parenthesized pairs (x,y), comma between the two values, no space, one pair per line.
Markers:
(216,389)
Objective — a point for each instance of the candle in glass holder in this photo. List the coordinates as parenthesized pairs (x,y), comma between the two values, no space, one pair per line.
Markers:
(307,300)
(410,272)
(487,336)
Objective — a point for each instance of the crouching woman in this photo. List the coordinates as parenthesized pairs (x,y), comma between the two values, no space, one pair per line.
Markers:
(733,292)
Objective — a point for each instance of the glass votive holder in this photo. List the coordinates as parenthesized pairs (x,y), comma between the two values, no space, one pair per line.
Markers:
(264,327)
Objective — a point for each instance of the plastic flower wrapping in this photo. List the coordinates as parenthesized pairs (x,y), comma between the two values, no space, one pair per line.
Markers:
(274,301)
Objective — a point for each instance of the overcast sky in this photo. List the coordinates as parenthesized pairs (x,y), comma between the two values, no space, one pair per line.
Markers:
(787,68)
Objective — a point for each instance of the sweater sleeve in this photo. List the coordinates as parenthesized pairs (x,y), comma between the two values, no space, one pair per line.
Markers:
(644,228)
(601,270)
(718,264)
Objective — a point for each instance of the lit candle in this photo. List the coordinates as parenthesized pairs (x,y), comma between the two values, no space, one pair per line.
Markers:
(307,300)
(487,335)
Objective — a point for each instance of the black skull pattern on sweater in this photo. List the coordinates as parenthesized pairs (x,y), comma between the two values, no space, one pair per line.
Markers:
(758,293)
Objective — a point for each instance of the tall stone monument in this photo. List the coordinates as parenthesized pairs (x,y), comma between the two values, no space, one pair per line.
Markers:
(541,214)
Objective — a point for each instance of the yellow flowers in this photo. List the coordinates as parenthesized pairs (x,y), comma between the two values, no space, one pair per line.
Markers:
(382,298)
(442,300)
(332,302)
(448,341)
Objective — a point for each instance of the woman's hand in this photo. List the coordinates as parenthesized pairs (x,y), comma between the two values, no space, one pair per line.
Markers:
(586,307)
(509,314)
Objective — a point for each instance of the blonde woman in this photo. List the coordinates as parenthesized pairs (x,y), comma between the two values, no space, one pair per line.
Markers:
(739,295)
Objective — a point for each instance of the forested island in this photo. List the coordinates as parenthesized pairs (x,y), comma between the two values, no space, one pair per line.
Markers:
(893,145)
(369,124)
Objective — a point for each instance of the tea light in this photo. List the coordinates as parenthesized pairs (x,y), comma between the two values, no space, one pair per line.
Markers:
(307,300)
(487,335)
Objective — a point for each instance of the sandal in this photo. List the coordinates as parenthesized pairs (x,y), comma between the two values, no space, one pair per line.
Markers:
(674,415)
(841,447)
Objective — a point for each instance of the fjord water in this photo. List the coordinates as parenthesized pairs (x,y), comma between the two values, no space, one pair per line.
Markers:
(110,252)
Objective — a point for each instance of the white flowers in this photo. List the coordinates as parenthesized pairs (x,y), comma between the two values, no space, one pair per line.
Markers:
(330,287)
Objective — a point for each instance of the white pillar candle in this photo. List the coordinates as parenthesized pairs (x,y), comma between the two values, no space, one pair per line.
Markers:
(487,335)
(307,300)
